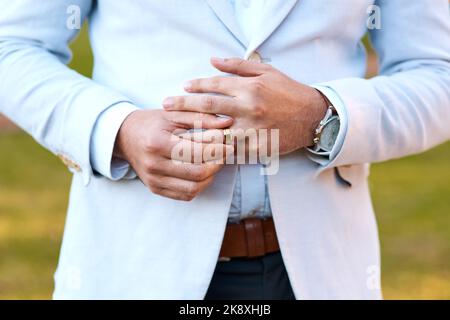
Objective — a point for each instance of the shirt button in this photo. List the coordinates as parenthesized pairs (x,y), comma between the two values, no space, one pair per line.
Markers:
(255,56)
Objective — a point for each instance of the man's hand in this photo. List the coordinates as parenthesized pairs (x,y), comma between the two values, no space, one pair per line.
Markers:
(260,97)
(146,140)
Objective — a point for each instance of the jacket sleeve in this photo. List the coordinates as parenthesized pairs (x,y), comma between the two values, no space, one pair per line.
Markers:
(54,104)
(406,109)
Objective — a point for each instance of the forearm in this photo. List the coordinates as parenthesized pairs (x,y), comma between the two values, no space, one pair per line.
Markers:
(56,105)
(394,116)
(405,110)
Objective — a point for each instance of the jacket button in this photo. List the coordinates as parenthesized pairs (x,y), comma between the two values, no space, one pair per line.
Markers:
(75,167)
(69,163)
(255,56)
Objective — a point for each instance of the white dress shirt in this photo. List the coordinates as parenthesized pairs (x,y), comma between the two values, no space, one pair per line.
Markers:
(250,197)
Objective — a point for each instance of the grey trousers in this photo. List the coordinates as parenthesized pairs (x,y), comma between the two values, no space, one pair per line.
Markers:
(263,278)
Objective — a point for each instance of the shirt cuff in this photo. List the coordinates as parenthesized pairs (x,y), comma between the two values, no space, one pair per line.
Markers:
(103,139)
(326,157)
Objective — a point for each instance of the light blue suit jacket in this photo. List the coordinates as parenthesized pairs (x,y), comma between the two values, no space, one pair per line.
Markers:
(121,241)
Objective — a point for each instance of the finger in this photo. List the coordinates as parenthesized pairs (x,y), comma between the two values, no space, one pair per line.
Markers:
(171,194)
(243,68)
(183,150)
(174,195)
(203,103)
(188,171)
(204,136)
(229,86)
(196,120)
(176,188)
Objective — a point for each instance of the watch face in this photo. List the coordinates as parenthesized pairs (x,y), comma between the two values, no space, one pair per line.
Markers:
(329,135)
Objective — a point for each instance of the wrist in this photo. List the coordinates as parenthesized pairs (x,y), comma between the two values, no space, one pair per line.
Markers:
(103,139)
(123,137)
(318,109)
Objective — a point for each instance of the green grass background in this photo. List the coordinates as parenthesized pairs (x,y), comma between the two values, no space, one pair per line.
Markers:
(411,198)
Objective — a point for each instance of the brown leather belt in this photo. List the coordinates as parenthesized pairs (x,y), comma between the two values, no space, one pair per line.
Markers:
(250,238)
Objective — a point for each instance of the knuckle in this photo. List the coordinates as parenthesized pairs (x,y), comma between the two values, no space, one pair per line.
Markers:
(256,86)
(258,110)
(208,102)
(151,165)
(193,189)
(200,174)
(188,197)
(154,189)
(178,196)
(154,146)
(239,62)
(184,196)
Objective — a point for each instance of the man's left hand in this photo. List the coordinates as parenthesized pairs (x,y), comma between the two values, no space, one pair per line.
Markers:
(258,97)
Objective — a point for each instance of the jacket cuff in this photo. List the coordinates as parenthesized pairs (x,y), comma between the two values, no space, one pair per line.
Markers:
(338,104)
(80,119)
(356,93)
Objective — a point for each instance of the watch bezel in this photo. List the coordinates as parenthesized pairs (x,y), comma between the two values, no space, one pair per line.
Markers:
(320,145)
(330,116)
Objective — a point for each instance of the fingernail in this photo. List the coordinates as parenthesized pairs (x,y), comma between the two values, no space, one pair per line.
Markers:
(223,118)
(188,86)
(168,103)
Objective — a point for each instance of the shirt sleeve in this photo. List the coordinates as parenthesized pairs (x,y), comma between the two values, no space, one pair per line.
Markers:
(326,157)
(103,139)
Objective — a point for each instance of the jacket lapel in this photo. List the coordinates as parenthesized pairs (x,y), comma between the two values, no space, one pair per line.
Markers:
(274,14)
(224,10)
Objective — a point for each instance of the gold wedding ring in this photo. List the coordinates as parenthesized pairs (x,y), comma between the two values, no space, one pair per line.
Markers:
(228,136)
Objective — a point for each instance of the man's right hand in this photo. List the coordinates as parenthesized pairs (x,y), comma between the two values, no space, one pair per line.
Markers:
(146,140)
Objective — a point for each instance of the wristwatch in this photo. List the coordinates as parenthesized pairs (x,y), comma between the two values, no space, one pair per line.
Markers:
(326,134)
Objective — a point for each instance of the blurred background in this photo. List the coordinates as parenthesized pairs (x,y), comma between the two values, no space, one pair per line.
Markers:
(411,199)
